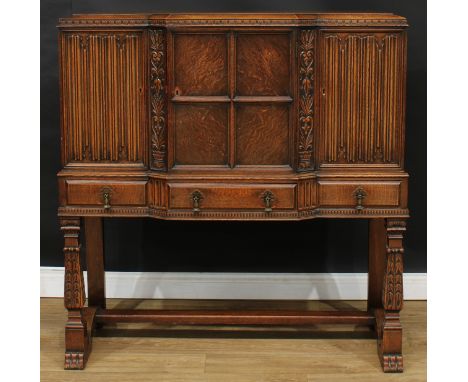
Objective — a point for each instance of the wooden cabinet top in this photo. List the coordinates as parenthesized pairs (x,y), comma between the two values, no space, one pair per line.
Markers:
(235,19)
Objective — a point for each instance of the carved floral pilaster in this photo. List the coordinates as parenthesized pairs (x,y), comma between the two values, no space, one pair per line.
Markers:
(158,100)
(306,99)
(74,294)
(392,297)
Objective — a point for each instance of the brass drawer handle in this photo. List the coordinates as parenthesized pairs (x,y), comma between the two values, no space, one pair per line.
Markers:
(359,194)
(268,198)
(197,197)
(106,196)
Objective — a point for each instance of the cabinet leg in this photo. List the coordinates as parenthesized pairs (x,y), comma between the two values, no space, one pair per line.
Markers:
(386,269)
(95,262)
(77,328)
(377,244)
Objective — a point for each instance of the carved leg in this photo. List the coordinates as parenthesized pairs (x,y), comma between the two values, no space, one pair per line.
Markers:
(95,262)
(77,336)
(387,266)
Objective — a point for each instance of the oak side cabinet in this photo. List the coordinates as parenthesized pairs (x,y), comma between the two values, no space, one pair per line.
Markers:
(233,117)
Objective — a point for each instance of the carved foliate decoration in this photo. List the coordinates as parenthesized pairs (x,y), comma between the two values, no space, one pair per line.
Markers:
(393,278)
(392,363)
(74,360)
(158,100)
(74,285)
(74,294)
(393,287)
(306,99)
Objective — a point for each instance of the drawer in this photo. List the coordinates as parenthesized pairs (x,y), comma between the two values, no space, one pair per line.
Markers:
(124,193)
(231,196)
(353,194)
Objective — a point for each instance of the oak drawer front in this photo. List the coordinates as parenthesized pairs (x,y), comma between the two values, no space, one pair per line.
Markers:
(229,196)
(86,192)
(366,194)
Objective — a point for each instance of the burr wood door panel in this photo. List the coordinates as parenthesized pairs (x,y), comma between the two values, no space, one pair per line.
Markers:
(103,97)
(362,98)
(262,64)
(262,134)
(200,64)
(201,134)
(263,98)
(231,98)
(199,96)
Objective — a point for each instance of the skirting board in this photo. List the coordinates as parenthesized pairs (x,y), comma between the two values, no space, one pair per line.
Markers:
(257,286)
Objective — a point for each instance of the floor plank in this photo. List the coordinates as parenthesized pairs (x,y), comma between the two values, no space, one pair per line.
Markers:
(146,352)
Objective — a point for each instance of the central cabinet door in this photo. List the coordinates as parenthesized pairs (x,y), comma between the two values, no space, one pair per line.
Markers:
(231,96)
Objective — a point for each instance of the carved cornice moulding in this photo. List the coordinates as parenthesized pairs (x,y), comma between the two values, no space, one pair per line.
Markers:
(286,19)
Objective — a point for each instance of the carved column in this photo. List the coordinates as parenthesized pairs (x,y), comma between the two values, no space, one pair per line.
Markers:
(158,91)
(389,330)
(306,58)
(76,335)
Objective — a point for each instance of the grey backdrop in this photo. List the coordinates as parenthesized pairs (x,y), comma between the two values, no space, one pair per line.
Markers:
(318,245)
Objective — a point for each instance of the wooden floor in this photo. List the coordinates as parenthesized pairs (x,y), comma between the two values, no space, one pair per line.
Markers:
(225,354)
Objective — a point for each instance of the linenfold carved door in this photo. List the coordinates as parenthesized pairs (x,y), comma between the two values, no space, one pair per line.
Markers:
(104,98)
(362,99)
